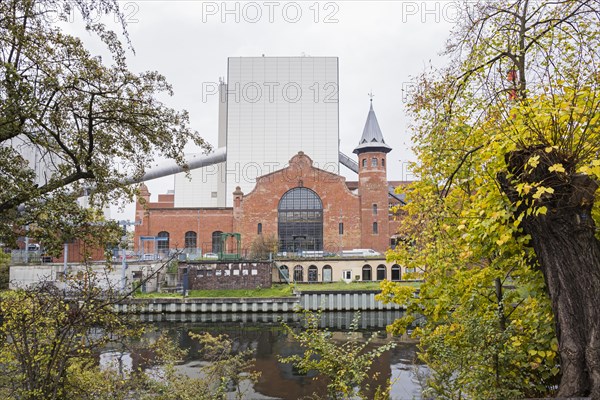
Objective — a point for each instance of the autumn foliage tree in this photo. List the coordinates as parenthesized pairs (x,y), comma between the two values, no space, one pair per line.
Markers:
(504,218)
(70,121)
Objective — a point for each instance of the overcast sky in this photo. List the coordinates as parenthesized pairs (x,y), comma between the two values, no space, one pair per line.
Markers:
(380,45)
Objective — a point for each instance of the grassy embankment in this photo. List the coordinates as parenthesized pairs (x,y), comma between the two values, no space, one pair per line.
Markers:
(274,291)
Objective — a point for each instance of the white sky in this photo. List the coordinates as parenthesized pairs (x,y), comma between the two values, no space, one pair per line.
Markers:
(380,45)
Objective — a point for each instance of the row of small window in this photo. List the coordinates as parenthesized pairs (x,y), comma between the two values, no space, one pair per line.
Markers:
(374,162)
(190,240)
(313,273)
(226,272)
(191,237)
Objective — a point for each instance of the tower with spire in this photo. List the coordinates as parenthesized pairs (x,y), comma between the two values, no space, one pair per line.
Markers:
(373,185)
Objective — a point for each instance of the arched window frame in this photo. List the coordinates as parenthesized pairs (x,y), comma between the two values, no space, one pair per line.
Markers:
(313,273)
(190,240)
(367,273)
(324,274)
(381,272)
(284,273)
(300,221)
(396,273)
(216,242)
(298,273)
(163,245)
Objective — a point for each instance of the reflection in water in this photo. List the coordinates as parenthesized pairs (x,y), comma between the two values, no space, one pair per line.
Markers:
(264,334)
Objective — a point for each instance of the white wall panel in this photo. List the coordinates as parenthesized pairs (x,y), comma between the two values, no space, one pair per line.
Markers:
(293,109)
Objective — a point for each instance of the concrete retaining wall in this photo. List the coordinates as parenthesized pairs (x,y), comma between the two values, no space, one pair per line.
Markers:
(344,301)
(217,305)
(328,301)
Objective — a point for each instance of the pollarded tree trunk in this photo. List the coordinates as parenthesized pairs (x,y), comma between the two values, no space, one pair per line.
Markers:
(569,257)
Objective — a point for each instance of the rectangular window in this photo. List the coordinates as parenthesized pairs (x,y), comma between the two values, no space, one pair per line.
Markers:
(383,162)
(347,275)
(375,228)
(374,162)
(374,209)
(341,228)
(364,162)
(259,228)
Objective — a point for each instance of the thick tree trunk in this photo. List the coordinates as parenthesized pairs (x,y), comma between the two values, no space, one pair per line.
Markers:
(569,257)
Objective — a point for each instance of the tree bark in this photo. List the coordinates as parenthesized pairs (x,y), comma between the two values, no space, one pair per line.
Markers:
(569,256)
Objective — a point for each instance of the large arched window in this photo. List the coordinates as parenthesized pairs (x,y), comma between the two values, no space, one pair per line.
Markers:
(300,223)
(163,245)
(298,273)
(190,240)
(216,242)
(381,272)
(313,273)
(366,272)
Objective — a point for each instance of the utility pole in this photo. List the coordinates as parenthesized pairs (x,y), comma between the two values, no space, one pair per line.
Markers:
(125,224)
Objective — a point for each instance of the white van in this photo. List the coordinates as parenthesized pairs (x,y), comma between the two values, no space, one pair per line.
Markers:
(360,253)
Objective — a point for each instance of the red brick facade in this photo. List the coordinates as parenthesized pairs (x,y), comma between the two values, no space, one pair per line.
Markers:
(374,204)
(339,204)
(163,217)
(355,211)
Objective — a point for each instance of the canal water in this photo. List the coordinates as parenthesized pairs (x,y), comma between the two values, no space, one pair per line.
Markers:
(264,334)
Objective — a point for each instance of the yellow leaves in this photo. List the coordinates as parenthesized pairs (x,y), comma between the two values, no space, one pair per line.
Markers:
(524,188)
(541,190)
(503,239)
(518,220)
(392,292)
(556,168)
(591,170)
(533,161)
(543,210)
(465,255)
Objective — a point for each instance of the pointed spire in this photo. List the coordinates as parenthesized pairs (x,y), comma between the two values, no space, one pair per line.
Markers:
(372,138)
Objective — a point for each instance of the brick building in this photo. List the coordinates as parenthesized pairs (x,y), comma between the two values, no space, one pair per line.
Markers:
(304,207)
